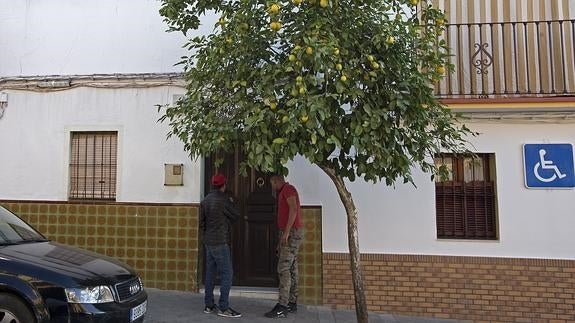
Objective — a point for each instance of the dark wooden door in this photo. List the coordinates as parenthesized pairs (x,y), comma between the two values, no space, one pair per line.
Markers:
(254,236)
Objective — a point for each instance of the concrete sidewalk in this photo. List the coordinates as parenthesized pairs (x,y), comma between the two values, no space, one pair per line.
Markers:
(180,307)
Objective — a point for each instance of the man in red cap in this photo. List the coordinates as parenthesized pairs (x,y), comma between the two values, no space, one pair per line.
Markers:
(217,215)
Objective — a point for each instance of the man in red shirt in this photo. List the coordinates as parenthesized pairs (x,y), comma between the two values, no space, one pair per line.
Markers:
(291,236)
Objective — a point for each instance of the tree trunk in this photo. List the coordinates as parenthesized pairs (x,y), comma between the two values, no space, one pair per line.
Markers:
(353,242)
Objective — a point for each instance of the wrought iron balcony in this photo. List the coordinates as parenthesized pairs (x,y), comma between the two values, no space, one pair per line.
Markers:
(510,60)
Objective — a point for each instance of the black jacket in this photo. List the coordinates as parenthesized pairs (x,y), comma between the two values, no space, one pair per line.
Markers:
(217,213)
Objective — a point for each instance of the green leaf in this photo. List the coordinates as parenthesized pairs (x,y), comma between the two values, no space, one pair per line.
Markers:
(335,141)
(313,139)
(259,149)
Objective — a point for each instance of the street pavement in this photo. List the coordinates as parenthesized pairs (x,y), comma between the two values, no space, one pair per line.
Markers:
(180,307)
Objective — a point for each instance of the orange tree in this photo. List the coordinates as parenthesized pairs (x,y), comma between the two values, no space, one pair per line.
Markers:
(347,84)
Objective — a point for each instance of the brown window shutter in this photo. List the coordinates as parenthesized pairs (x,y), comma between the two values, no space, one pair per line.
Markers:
(465,209)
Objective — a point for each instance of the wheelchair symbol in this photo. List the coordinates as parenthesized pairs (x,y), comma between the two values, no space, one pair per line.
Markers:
(546,164)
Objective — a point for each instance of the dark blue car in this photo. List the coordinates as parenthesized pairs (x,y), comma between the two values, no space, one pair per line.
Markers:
(44,281)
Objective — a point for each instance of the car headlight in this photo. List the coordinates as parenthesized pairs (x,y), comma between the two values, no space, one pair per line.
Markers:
(90,295)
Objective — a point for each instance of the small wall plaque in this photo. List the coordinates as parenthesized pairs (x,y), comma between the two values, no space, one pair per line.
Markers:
(174,175)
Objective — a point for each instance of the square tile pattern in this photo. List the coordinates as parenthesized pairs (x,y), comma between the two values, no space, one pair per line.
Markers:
(158,241)
(311,258)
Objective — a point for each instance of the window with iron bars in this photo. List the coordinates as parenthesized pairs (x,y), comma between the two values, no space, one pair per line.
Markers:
(465,200)
(93,163)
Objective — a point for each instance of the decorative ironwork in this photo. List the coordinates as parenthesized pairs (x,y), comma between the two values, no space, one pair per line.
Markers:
(482,58)
(510,59)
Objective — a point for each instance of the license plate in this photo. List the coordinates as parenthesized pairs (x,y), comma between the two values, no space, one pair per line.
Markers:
(138,311)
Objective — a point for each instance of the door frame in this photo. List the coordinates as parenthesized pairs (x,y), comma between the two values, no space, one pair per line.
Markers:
(240,188)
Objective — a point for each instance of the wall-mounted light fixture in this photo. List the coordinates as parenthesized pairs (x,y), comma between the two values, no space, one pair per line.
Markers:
(3,103)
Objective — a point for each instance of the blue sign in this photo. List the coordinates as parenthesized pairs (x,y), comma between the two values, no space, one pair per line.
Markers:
(549,165)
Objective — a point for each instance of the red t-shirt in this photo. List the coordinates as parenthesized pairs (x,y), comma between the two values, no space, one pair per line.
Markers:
(286,192)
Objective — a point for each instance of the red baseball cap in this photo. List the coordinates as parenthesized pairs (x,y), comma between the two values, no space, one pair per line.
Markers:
(218,180)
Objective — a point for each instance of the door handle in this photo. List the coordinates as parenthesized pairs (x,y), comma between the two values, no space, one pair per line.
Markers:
(246,217)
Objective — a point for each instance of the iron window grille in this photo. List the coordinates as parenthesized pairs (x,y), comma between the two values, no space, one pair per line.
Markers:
(93,163)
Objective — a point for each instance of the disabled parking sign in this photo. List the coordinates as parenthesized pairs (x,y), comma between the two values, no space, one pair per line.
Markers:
(549,165)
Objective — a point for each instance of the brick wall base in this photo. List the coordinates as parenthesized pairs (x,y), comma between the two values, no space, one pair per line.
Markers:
(466,288)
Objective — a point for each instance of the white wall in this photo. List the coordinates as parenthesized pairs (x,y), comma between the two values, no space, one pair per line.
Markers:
(65,37)
(34,143)
(532,223)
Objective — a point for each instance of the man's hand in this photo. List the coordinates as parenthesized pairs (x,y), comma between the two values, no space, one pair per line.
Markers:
(285,238)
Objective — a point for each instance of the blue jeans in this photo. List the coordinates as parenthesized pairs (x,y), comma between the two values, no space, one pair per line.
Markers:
(218,261)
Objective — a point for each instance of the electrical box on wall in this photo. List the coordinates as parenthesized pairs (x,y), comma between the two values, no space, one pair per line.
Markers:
(174,175)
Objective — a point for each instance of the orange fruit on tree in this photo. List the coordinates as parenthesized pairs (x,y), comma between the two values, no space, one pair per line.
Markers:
(275,25)
(274,9)
(440,70)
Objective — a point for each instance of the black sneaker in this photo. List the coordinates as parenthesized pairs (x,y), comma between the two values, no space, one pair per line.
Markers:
(210,309)
(279,311)
(292,307)
(229,313)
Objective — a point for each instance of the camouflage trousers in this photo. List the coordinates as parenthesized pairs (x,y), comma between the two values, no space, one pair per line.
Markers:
(288,267)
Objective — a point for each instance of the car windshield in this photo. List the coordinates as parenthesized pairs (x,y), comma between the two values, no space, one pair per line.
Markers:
(15,231)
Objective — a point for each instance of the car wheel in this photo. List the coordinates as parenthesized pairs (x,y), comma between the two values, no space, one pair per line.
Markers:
(13,310)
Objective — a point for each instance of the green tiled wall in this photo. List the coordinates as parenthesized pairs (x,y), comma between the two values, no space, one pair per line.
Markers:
(311,258)
(159,241)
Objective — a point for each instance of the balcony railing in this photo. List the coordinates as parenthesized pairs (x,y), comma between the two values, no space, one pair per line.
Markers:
(510,60)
